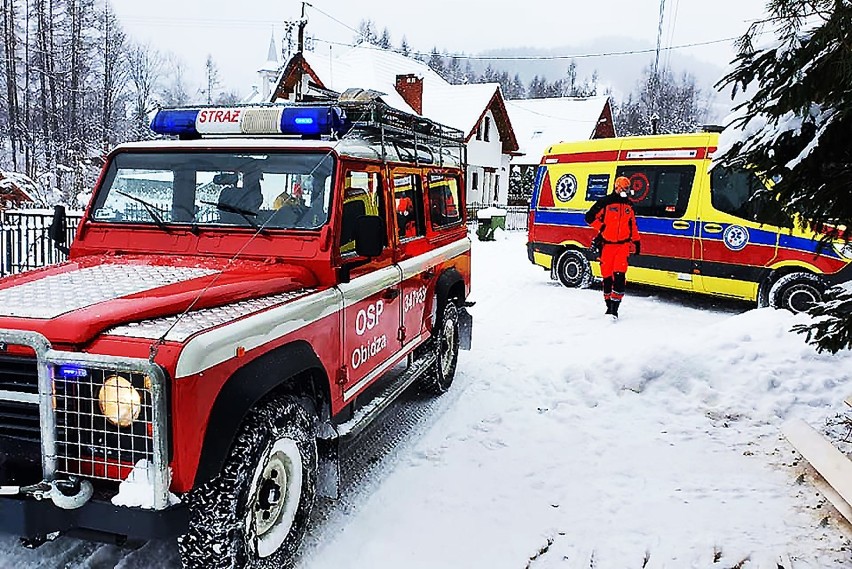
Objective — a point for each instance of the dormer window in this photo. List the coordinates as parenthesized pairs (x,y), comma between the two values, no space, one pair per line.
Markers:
(486,129)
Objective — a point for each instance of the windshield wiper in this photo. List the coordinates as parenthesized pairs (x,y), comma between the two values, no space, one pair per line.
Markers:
(246,214)
(149,207)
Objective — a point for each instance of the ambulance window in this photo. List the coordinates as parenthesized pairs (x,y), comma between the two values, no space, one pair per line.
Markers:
(742,194)
(444,202)
(408,198)
(362,195)
(659,191)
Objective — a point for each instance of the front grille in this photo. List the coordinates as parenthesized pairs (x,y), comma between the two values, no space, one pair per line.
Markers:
(19,418)
(88,444)
(19,421)
(18,374)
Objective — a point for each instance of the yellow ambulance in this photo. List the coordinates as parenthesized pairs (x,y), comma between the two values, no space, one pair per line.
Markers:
(714,231)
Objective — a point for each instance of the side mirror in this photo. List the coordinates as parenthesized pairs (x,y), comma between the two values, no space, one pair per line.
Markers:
(369,236)
(58,230)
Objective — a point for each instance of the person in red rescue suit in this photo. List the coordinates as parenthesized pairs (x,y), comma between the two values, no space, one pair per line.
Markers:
(405,217)
(613,217)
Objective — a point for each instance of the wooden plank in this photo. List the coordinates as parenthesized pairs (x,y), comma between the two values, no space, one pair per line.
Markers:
(831,495)
(834,467)
(848,400)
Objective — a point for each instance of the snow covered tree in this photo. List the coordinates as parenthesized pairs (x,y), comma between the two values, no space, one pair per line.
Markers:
(404,48)
(384,41)
(572,87)
(436,62)
(144,65)
(795,129)
(211,79)
(678,104)
(174,92)
(366,33)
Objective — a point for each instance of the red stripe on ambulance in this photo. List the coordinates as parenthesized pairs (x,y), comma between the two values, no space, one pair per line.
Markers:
(605,156)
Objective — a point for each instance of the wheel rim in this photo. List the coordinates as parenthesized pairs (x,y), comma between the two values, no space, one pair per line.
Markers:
(572,269)
(448,340)
(801,298)
(277,489)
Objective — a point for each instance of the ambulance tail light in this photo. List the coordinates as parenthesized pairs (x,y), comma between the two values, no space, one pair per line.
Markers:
(307,121)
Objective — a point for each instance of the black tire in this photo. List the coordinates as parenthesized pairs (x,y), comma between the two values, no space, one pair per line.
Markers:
(445,347)
(573,269)
(243,517)
(796,292)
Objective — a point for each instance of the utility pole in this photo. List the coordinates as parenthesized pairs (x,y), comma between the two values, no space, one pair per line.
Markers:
(300,49)
(655,77)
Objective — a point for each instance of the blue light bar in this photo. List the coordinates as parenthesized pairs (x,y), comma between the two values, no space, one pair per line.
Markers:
(313,121)
(175,122)
(72,372)
(290,120)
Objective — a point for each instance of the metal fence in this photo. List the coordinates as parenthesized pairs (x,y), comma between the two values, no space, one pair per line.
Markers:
(516,215)
(24,243)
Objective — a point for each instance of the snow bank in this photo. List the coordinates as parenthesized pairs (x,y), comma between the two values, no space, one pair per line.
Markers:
(137,490)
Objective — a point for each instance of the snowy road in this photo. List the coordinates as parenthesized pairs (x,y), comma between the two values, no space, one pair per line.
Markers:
(570,441)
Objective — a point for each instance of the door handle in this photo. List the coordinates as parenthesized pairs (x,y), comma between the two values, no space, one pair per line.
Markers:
(390,294)
(680,224)
(712,227)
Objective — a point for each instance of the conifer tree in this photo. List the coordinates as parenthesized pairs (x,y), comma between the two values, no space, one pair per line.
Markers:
(796,128)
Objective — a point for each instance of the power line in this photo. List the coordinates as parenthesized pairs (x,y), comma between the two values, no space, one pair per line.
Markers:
(550,57)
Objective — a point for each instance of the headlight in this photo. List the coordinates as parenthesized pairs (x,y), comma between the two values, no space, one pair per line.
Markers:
(120,402)
(844,250)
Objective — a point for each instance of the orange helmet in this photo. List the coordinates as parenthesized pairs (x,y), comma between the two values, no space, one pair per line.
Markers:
(621,183)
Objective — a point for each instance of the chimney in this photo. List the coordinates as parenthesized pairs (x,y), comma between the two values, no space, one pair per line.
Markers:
(410,86)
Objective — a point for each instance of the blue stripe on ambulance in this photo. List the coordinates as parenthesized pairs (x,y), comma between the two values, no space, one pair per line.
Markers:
(539,176)
(663,226)
(807,245)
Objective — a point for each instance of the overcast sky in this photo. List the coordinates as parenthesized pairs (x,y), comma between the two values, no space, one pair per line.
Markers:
(237,33)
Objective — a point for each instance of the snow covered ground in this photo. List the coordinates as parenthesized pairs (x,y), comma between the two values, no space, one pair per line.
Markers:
(571,441)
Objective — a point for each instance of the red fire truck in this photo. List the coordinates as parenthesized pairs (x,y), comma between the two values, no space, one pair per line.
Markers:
(196,365)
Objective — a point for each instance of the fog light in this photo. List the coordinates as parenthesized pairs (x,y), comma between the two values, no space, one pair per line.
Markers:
(120,402)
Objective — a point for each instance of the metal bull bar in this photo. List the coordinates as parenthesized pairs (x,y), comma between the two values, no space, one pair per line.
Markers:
(47,359)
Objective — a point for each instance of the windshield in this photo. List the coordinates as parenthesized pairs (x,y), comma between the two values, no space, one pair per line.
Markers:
(272,190)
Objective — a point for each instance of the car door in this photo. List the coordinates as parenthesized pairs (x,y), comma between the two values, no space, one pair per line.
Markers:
(371,303)
(412,251)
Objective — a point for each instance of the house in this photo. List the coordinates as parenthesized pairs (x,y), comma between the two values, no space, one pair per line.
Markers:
(540,123)
(478,110)
(16,190)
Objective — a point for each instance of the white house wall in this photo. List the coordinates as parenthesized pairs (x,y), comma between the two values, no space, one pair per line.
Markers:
(491,167)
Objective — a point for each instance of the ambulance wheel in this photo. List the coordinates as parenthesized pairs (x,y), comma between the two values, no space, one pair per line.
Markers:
(445,347)
(573,269)
(254,513)
(796,292)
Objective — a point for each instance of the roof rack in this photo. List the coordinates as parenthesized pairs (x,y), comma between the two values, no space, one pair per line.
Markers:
(402,136)
(359,115)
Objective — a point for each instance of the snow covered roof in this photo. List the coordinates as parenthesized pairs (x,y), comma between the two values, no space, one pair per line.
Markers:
(370,67)
(540,123)
(17,186)
(458,106)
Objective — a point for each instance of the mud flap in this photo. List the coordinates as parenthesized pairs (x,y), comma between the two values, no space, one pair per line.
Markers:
(465,329)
